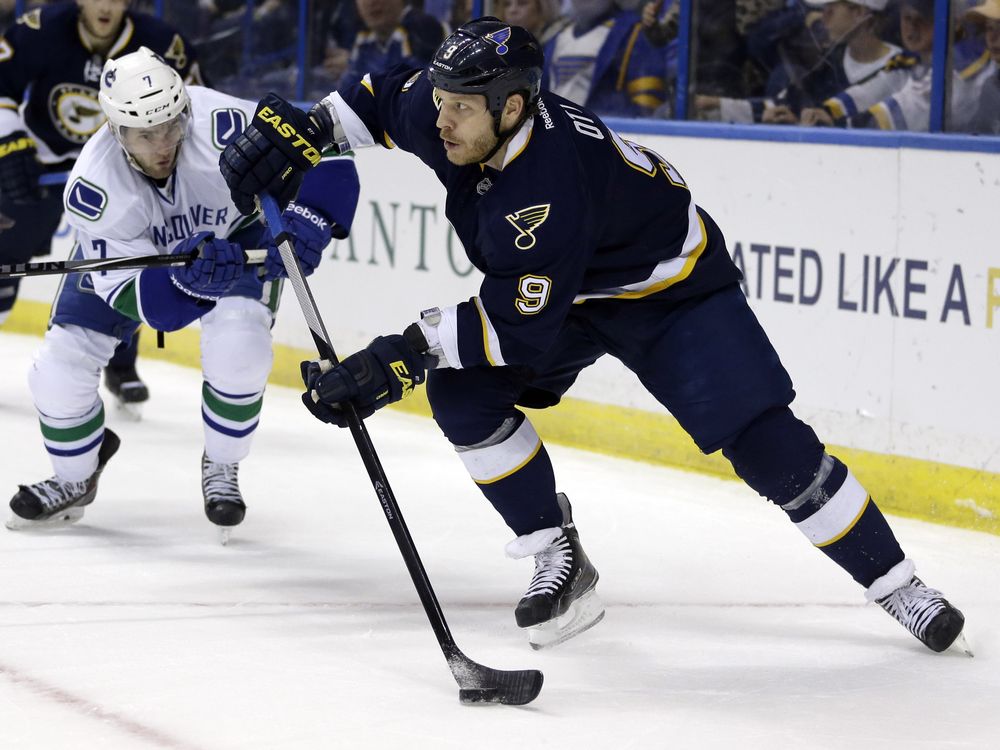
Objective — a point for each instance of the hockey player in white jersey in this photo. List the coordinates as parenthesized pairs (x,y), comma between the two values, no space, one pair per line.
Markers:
(149,184)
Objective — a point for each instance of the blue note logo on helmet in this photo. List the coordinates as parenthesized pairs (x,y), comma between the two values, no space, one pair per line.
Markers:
(492,58)
(499,38)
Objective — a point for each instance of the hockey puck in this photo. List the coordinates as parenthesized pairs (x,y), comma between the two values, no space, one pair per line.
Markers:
(484,695)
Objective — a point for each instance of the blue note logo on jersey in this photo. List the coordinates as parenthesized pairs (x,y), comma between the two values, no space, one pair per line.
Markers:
(75,111)
(86,200)
(499,38)
(226,125)
(526,221)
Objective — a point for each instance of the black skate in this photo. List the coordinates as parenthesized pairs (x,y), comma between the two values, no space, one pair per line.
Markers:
(54,502)
(921,610)
(128,389)
(562,599)
(220,487)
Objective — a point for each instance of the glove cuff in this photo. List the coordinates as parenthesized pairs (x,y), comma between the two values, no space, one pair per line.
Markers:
(192,292)
(324,114)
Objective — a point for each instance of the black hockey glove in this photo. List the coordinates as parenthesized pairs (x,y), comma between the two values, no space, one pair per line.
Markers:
(278,146)
(383,373)
(19,169)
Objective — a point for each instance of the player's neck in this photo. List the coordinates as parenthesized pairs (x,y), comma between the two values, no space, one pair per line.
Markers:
(496,161)
(100,45)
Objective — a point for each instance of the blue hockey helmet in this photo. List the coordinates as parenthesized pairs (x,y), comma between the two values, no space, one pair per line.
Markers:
(489,57)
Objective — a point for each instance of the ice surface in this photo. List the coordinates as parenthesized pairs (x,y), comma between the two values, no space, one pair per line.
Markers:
(724,628)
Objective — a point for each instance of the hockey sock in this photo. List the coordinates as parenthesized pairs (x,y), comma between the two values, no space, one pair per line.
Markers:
(777,455)
(840,518)
(230,421)
(73,442)
(513,470)
(125,354)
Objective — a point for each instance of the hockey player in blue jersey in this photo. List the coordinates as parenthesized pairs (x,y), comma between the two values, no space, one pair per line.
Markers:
(50,66)
(148,184)
(589,245)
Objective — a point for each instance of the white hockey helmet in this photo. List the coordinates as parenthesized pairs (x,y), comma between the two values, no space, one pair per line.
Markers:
(141,92)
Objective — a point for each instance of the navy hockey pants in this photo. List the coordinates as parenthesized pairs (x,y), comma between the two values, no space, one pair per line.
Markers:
(707,360)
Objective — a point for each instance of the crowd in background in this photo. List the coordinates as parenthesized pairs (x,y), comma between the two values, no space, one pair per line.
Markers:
(833,63)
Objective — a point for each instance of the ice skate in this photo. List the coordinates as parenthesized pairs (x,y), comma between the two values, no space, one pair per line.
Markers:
(220,487)
(128,389)
(53,502)
(562,599)
(921,610)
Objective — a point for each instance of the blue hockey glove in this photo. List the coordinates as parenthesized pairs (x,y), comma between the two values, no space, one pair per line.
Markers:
(19,169)
(217,268)
(274,152)
(381,374)
(310,233)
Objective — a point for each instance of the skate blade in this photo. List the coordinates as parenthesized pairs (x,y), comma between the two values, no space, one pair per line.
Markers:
(582,615)
(65,518)
(224,533)
(962,645)
(132,411)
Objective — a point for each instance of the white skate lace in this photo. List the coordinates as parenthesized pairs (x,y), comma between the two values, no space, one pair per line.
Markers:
(552,568)
(914,605)
(219,482)
(56,495)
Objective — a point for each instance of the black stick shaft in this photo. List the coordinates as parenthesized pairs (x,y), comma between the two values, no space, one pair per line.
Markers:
(47,268)
(362,439)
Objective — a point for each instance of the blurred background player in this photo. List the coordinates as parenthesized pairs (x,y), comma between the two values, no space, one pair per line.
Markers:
(589,245)
(393,33)
(50,67)
(601,60)
(151,170)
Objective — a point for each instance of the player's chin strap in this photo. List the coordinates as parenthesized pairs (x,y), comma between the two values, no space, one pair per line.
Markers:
(503,136)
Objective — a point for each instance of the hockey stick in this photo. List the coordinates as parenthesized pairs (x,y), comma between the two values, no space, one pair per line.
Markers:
(15,270)
(53,178)
(476,683)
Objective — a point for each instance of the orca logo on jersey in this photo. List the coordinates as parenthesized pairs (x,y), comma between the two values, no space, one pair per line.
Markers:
(226,125)
(86,199)
(287,131)
(526,221)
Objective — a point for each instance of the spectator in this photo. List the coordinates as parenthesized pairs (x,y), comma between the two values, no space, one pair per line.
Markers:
(393,33)
(604,62)
(899,96)
(719,52)
(249,47)
(782,45)
(543,18)
(986,115)
(854,51)
(659,26)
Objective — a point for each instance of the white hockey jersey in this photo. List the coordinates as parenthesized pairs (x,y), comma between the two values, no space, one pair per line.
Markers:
(118,212)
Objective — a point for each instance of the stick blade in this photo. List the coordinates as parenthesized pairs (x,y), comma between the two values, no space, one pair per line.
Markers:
(480,684)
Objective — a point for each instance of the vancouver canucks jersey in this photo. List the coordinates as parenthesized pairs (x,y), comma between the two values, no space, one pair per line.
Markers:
(118,212)
(577,214)
(44,57)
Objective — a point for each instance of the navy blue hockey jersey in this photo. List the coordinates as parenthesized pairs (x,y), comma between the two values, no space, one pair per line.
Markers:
(576,214)
(44,56)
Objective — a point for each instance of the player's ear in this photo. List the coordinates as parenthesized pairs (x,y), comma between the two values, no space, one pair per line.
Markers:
(514,108)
